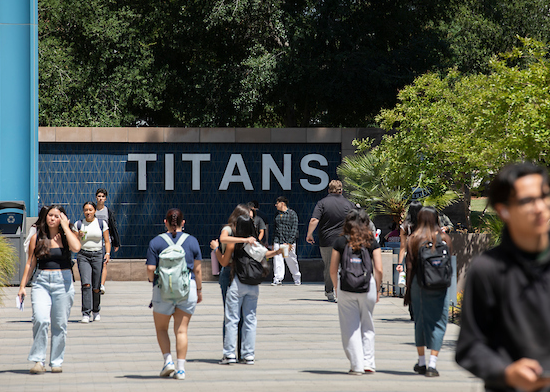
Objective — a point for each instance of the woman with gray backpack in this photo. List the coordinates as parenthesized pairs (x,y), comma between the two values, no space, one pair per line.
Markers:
(174,268)
(358,256)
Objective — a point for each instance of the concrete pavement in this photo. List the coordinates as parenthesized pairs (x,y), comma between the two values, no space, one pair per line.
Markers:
(298,347)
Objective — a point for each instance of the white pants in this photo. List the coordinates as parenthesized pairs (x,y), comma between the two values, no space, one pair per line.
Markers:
(357,326)
(291,261)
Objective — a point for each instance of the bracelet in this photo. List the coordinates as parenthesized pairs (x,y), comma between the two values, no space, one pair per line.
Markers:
(199,289)
(108,253)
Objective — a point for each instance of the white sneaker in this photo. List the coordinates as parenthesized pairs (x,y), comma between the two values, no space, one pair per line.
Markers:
(97,317)
(167,369)
(85,319)
(179,375)
(297,283)
(276,282)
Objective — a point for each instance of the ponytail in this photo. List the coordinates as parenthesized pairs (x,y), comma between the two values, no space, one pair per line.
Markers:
(174,219)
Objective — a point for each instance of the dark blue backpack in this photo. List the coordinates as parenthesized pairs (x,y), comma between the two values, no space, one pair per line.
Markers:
(355,272)
(435,270)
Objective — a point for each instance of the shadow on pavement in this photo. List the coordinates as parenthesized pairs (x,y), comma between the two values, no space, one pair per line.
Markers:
(16,371)
(324,372)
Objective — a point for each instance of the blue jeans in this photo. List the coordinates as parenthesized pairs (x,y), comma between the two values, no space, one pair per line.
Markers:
(52,296)
(240,297)
(225,280)
(90,265)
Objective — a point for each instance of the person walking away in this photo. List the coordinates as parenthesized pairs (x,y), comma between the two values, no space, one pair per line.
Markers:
(406,229)
(329,215)
(52,292)
(180,309)
(91,259)
(505,318)
(356,304)
(430,306)
(108,216)
(285,232)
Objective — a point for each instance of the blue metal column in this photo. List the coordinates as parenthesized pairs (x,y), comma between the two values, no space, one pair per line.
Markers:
(19,102)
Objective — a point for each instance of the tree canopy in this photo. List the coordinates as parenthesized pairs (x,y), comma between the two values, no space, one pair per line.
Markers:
(453,130)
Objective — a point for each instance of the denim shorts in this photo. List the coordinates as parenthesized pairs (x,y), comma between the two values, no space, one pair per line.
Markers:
(169,307)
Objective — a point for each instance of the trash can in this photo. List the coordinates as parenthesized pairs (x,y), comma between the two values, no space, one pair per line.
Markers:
(13,217)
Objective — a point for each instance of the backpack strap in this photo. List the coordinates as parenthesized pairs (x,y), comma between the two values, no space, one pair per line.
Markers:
(170,241)
(167,238)
(182,239)
(100,221)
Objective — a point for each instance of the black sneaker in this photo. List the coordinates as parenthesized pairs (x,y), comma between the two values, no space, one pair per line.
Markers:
(420,369)
(227,360)
(432,372)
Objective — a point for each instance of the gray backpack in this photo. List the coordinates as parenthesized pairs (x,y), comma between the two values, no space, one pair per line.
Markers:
(174,277)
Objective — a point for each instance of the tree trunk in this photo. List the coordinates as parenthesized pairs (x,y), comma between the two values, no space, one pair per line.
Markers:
(467,203)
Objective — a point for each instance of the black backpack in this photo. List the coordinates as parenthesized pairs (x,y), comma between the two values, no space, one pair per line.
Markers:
(355,272)
(248,270)
(435,270)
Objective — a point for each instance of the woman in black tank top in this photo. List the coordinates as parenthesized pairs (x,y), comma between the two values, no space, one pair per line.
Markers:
(52,289)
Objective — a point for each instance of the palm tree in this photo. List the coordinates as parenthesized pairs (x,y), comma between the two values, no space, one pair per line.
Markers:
(364,178)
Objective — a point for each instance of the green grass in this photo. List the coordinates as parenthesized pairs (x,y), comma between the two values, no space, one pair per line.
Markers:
(477,207)
(479,203)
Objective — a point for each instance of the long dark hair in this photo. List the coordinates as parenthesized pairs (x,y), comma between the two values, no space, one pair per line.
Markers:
(174,219)
(43,236)
(241,209)
(427,230)
(244,227)
(356,227)
(41,216)
(411,221)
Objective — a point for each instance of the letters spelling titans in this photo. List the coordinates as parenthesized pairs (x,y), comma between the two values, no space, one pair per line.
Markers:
(236,163)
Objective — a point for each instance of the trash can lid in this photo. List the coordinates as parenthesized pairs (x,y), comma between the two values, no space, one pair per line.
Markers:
(12,204)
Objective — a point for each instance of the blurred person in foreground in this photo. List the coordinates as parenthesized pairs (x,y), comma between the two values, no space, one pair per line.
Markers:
(505,324)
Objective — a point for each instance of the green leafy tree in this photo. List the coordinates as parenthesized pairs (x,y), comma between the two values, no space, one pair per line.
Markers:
(455,129)
(479,29)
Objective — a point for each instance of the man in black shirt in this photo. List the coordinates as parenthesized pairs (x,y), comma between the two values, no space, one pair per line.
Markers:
(329,215)
(505,324)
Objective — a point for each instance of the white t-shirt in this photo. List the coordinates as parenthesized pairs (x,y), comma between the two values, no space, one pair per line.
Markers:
(93,236)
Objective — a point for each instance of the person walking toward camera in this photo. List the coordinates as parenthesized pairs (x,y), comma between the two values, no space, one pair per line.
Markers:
(92,233)
(358,256)
(505,319)
(174,268)
(285,232)
(104,213)
(52,289)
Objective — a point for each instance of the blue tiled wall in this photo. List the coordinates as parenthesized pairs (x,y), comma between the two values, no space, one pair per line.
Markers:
(70,173)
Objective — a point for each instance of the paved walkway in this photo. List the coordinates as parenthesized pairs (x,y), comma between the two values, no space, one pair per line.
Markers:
(298,347)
